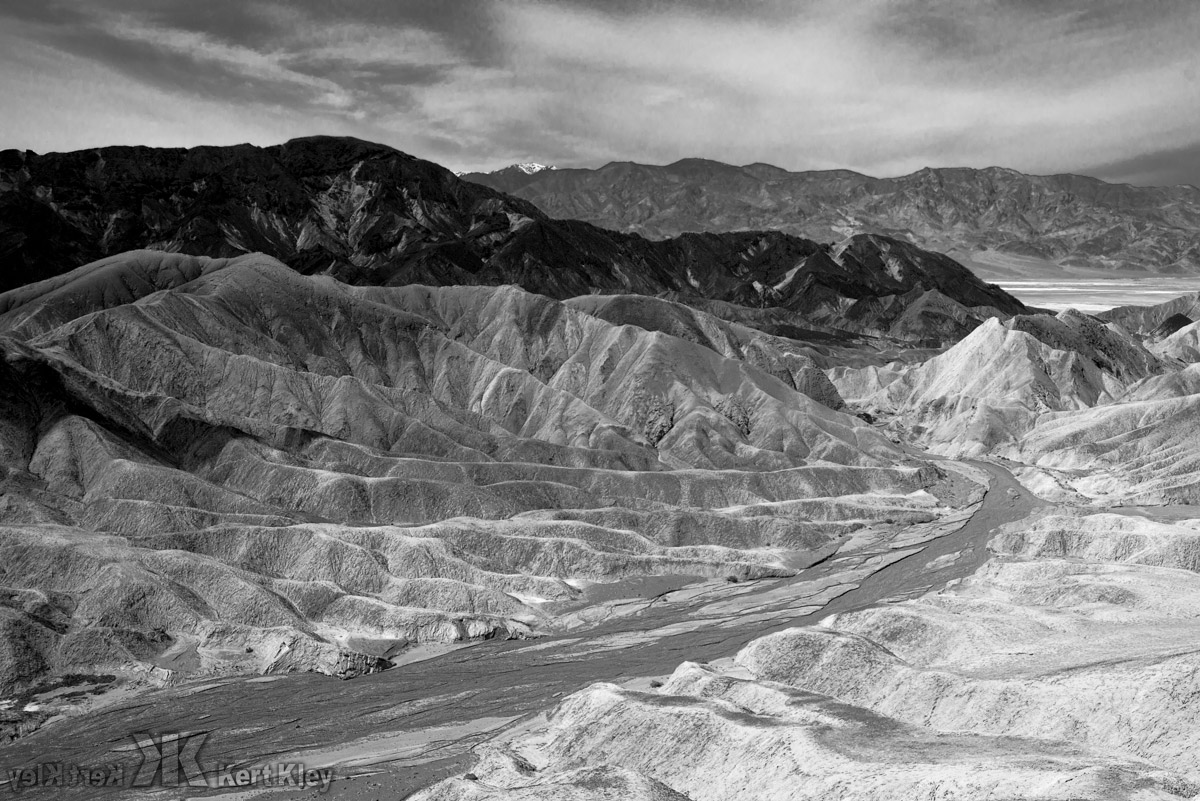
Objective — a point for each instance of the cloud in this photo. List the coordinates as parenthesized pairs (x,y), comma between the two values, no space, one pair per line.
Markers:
(206,54)
(1180,165)
(833,87)
(70,102)
(880,86)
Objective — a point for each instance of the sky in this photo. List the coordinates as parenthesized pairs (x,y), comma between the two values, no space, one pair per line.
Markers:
(1109,88)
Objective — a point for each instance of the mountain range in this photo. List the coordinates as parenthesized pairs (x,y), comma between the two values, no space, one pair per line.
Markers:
(523,168)
(369,214)
(1000,219)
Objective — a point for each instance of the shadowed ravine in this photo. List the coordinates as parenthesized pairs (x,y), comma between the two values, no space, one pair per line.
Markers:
(321,721)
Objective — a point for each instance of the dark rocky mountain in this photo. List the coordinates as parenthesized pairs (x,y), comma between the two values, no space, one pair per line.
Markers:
(1071,220)
(368,214)
(315,203)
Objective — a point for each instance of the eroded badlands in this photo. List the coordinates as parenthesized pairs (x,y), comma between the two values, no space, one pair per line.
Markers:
(582,515)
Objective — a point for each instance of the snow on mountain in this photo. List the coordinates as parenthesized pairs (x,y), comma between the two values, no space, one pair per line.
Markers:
(530,167)
(524,168)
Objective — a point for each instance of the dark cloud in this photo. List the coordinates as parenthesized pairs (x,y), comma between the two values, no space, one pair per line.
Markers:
(938,29)
(45,12)
(1062,42)
(233,22)
(1180,165)
(369,76)
(766,10)
(467,26)
(177,71)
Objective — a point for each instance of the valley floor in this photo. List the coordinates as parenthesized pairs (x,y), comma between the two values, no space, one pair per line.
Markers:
(397,731)
(1096,294)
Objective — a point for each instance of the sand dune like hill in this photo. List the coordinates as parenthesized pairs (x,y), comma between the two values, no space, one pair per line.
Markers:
(1093,652)
(1172,384)
(234,456)
(1087,401)
(993,386)
(1136,452)
(1062,669)
(522,782)
(36,308)
(712,737)
(796,364)
(653,384)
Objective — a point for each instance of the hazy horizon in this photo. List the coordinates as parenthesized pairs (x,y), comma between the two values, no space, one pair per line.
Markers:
(825,169)
(598,166)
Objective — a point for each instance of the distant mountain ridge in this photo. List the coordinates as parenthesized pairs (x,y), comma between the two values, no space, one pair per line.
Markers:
(524,168)
(530,167)
(368,214)
(1071,220)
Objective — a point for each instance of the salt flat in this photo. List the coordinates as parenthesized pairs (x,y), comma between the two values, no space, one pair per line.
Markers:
(1097,294)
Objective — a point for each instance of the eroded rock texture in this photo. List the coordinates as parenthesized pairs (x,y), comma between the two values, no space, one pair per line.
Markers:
(1062,669)
(218,464)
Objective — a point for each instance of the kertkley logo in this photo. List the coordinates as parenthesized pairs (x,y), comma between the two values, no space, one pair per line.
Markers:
(171,757)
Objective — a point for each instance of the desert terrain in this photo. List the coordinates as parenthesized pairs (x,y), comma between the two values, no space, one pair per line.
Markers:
(339,459)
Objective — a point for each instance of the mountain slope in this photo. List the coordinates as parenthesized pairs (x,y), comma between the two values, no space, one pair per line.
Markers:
(1072,220)
(313,203)
(367,214)
(1157,320)
(991,388)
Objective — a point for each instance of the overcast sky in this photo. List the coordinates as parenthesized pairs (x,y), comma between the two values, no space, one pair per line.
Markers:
(885,87)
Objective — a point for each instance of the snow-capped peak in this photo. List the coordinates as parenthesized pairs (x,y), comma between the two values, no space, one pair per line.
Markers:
(530,167)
